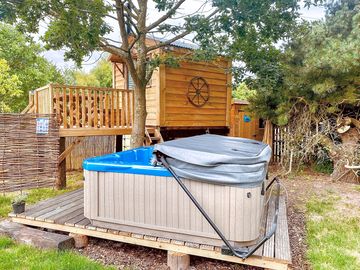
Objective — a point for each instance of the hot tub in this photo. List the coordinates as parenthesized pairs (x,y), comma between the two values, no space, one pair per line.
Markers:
(125,191)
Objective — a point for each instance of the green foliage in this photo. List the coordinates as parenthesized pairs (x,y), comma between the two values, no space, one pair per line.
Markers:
(75,24)
(323,166)
(21,198)
(332,237)
(9,87)
(25,62)
(320,66)
(243,92)
(100,75)
(15,256)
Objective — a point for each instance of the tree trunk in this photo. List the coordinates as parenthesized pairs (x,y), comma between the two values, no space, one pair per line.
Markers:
(138,129)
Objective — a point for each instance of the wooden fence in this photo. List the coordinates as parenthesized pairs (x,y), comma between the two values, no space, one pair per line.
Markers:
(280,145)
(29,151)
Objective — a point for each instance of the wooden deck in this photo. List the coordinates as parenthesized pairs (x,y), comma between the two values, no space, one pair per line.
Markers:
(66,213)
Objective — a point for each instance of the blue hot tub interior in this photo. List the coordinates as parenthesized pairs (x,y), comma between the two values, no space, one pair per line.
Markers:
(134,161)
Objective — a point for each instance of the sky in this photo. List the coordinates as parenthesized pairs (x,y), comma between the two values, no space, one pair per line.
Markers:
(57,57)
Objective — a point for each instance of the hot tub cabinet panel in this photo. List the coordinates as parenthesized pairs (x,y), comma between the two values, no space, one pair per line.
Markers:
(157,206)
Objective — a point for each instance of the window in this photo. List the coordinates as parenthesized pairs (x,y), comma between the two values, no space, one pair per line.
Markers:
(130,82)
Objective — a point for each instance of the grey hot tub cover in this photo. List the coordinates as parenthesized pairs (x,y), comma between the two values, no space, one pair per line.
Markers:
(218,159)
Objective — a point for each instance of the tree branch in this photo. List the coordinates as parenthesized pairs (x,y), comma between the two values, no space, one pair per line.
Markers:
(104,45)
(166,16)
(180,36)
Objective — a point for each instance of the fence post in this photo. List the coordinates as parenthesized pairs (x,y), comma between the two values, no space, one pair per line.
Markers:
(61,180)
(119,143)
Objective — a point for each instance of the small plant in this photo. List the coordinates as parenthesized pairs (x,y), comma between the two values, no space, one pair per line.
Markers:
(18,203)
(20,199)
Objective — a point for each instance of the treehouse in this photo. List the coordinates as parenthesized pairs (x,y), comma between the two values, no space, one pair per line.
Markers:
(190,99)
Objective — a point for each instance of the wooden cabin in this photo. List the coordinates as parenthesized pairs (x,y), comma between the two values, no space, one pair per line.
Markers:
(191,99)
(244,123)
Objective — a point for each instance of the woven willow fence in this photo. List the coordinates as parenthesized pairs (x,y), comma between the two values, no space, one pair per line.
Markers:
(29,151)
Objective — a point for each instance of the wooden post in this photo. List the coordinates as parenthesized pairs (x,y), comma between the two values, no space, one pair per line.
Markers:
(119,143)
(81,241)
(61,180)
(178,261)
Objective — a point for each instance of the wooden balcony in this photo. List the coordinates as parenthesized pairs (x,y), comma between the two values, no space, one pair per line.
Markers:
(84,110)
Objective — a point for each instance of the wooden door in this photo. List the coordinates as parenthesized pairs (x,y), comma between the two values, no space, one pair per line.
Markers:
(247,125)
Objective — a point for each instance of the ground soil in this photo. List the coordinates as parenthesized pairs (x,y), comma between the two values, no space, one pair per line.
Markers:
(299,188)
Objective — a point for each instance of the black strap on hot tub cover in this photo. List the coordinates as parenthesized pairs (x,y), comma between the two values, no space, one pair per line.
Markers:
(242,253)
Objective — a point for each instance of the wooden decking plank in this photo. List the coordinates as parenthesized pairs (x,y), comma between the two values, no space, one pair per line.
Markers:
(74,220)
(52,201)
(68,214)
(68,210)
(41,215)
(62,209)
(282,242)
(58,205)
(83,223)
(269,244)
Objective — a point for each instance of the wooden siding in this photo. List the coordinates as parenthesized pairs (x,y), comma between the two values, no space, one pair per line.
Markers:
(152,93)
(152,100)
(167,103)
(179,112)
(159,207)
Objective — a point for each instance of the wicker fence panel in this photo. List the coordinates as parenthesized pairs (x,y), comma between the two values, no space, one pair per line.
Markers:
(27,159)
(89,147)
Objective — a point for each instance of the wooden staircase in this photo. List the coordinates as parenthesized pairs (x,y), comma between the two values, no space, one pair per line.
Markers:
(152,136)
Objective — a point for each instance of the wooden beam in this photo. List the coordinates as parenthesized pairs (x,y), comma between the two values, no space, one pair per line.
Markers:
(61,179)
(178,261)
(68,150)
(83,132)
(119,143)
(253,260)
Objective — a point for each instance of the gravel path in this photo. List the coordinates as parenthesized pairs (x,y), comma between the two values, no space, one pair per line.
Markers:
(299,189)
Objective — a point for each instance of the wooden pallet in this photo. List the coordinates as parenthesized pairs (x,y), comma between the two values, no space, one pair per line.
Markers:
(66,213)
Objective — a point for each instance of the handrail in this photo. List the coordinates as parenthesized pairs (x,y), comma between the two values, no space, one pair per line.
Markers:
(86,106)
(87,87)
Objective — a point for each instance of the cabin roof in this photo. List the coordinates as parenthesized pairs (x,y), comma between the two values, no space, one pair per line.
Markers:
(177,44)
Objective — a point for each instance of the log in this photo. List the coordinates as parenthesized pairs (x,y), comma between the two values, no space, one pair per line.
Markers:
(178,261)
(35,237)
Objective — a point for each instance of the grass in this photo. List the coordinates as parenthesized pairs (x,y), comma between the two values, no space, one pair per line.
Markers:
(19,256)
(74,181)
(15,256)
(333,238)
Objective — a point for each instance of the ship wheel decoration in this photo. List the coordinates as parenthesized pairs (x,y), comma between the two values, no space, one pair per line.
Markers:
(198,92)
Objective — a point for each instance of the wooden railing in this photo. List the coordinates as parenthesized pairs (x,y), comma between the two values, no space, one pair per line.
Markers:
(84,110)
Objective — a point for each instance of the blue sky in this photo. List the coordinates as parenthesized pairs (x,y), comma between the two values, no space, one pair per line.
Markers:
(57,57)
